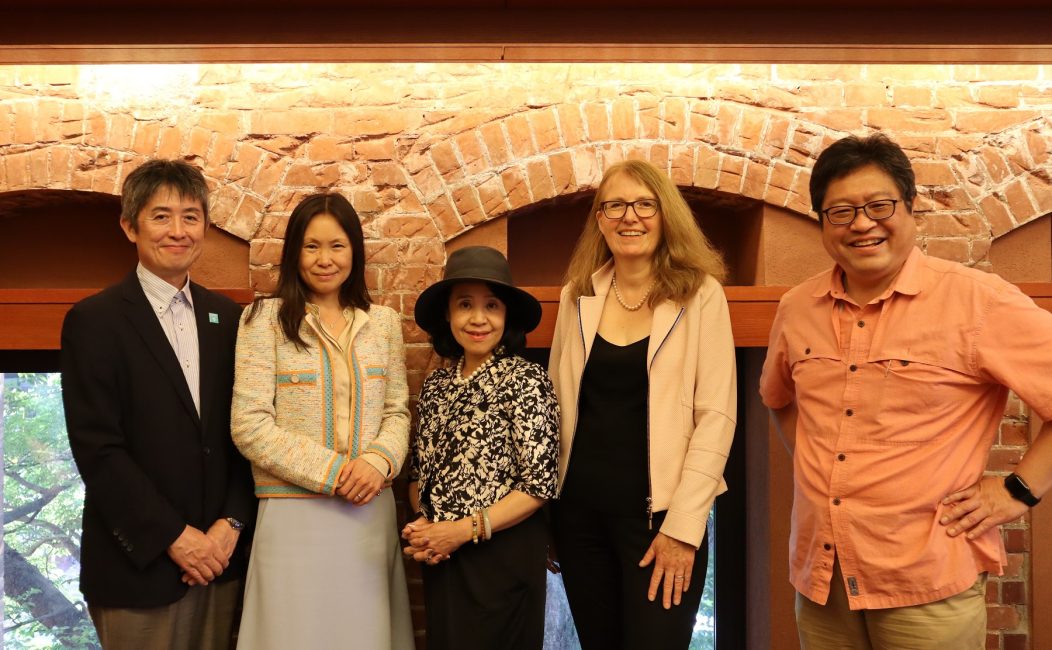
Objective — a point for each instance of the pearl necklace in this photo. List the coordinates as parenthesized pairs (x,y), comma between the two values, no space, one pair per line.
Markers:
(458,374)
(620,298)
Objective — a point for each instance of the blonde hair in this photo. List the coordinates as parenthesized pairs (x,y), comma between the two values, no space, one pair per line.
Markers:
(683,257)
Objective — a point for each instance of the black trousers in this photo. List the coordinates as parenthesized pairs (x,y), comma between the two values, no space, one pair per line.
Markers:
(607,590)
(490,596)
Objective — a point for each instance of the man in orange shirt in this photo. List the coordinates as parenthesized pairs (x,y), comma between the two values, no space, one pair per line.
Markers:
(888,378)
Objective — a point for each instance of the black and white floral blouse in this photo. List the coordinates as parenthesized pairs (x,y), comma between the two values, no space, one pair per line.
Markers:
(479,440)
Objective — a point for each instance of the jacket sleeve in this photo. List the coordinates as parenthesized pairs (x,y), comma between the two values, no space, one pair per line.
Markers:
(559,371)
(392,440)
(296,459)
(715,407)
(141,518)
(240,503)
(564,315)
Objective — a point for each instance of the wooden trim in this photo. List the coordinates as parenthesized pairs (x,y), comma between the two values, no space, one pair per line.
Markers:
(30,319)
(978,34)
(71,296)
(1041,292)
(752,310)
(571,53)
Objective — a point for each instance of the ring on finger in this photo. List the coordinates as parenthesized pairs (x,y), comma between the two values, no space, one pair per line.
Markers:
(678,578)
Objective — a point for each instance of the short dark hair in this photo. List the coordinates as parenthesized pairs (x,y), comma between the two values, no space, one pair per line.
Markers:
(513,340)
(145,181)
(853,152)
(291,289)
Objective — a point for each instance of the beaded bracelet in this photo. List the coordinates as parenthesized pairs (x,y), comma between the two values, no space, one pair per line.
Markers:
(474,529)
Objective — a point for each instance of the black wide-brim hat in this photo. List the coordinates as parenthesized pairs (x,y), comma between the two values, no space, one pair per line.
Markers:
(475,264)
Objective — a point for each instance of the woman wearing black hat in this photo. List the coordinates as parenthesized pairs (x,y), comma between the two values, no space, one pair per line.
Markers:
(485,461)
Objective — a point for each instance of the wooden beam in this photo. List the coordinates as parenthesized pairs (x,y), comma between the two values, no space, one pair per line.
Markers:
(31,319)
(994,34)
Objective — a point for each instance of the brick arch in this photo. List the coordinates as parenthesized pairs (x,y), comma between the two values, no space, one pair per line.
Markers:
(1008,176)
(252,177)
(61,166)
(435,176)
(979,192)
(988,185)
(491,168)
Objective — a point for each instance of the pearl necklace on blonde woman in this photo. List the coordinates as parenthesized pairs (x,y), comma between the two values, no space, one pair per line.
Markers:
(620,298)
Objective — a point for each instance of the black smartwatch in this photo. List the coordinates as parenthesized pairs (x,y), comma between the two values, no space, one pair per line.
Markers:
(234,523)
(1020,491)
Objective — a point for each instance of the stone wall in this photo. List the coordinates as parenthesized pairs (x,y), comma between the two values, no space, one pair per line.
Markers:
(427,152)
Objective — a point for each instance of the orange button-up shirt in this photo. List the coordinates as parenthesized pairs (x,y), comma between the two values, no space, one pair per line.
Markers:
(899,403)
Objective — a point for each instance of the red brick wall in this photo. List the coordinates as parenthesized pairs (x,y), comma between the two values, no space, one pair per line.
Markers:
(426,152)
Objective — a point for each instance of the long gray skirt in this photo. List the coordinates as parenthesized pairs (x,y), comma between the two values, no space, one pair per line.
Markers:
(326,574)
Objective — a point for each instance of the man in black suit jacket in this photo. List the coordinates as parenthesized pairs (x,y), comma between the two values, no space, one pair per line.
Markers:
(147,374)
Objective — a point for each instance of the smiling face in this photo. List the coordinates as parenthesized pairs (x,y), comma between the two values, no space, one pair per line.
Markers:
(325,258)
(169,235)
(476,319)
(871,253)
(630,236)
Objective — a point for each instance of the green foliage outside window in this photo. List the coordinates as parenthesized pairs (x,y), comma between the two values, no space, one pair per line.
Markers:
(42,500)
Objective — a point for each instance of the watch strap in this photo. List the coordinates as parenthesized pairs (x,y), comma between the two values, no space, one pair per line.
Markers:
(1020,491)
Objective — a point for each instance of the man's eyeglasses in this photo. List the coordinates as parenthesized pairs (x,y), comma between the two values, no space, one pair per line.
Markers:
(842,215)
(614,210)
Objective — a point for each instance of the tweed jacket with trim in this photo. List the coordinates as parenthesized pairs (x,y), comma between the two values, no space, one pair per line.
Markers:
(282,417)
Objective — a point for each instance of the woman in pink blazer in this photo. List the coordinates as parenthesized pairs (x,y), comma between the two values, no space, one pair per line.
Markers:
(643,365)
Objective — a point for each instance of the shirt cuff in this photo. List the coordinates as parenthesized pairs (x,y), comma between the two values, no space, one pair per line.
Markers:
(381,464)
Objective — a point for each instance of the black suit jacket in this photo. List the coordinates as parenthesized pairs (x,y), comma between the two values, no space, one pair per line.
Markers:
(150,464)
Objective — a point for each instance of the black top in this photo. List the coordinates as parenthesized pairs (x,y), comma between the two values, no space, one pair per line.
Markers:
(479,440)
(608,463)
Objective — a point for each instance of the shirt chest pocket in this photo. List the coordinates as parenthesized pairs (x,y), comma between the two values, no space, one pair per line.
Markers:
(910,391)
(813,365)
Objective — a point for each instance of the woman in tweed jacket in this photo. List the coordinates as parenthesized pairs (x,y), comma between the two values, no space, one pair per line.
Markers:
(320,410)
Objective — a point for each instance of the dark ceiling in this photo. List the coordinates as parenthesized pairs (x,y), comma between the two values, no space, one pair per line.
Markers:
(172,31)
(562,5)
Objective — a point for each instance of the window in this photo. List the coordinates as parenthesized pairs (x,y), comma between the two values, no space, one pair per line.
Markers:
(42,500)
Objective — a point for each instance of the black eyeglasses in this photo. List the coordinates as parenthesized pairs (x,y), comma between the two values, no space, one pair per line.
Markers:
(842,215)
(614,210)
